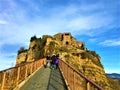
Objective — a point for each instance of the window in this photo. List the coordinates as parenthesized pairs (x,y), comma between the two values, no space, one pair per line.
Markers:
(67,42)
(67,34)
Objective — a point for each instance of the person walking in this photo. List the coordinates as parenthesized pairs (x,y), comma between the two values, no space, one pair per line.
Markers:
(53,61)
(48,58)
(57,63)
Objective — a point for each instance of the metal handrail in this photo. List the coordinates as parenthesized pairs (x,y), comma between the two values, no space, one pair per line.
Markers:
(76,80)
(12,77)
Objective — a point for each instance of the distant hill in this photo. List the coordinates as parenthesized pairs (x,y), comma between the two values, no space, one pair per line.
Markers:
(114,80)
(114,75)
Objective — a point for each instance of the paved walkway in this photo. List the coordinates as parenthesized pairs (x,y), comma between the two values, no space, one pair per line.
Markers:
(45,79)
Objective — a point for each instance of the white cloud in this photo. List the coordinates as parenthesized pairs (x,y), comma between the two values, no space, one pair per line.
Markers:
(3,22)
(93,39)
(24,21)
(110,42)
(82,20)
(70,18)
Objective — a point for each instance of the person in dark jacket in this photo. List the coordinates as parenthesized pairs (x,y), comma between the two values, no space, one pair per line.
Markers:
(48,58)
(53,58)
(57,63)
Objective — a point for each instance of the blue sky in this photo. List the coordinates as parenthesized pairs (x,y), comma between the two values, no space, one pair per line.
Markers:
(95,22)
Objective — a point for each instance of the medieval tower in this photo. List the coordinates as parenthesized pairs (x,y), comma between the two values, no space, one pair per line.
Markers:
(66,39)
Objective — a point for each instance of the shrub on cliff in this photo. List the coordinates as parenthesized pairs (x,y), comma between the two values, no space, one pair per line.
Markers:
(33,38)
(22,49)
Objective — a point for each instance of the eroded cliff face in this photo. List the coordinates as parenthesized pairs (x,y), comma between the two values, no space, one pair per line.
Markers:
(40,47)
(71,51)
(35,51)
(89,64)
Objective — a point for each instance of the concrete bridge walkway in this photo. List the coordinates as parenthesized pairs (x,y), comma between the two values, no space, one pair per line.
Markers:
(45,79)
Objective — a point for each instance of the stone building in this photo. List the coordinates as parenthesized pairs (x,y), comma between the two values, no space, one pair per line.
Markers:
(66,39)
(36,48)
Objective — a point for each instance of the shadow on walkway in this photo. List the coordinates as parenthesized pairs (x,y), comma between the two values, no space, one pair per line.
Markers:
(45,79)
(56,81)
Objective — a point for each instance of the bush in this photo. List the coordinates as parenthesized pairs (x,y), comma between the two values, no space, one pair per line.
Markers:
(22,49)
(33,38)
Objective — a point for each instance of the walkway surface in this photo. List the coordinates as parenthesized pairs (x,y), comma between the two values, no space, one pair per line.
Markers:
(45,79)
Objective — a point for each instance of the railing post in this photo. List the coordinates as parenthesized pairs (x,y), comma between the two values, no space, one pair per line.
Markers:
(18,75)
(37,64)
(61,65)
(88,85)
(67,73)
(3,80)
(73,75)
(43,62)
(40,62)
(34,66)
(26,70)
(63,68)
(31,68)
(68,76)
(74,81)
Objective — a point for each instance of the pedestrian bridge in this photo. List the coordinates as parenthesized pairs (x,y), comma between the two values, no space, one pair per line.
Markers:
(34,76)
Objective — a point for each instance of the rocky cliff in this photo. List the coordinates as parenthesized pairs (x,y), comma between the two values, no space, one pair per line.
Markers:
(71,51)
(40,47)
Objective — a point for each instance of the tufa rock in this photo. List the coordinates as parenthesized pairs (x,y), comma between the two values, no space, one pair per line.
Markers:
(71,51)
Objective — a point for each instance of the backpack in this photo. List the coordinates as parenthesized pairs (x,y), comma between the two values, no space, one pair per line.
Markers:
(57,61)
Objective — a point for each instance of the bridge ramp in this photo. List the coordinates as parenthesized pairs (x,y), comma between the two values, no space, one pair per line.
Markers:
(45,79)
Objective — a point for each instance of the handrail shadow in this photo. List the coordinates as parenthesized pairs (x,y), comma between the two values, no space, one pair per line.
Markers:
(56,80)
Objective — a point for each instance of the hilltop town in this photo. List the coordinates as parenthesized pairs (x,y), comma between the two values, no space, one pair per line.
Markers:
(40,47)
(70,50)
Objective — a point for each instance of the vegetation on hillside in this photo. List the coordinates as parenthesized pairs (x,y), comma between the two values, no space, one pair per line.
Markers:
(85,61)
(51,48)
(33,38)
(92,56)
(40,48)
(115,83)
(22,49)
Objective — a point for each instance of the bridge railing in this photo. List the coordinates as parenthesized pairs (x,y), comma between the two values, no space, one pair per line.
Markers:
(76,80)
(10,78)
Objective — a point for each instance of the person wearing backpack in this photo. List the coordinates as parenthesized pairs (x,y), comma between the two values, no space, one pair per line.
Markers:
(57,63)
(53,58)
